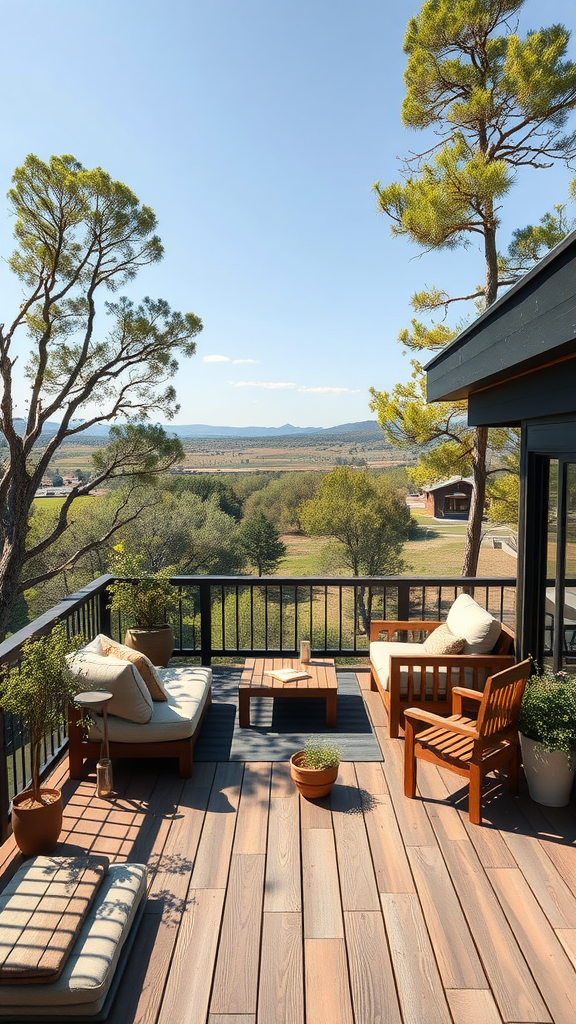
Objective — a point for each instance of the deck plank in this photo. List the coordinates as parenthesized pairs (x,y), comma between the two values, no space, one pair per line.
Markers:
(252,820)
(374,997)
(553,894)
(187,995)
(467,1005)
(175,869)
(419,985)
(387,849)
(456,955)
(320,883)
(281,989)
(327,988)
(232,1018)
(283,885)
(236,975)
(494,938)
(213,857)
(413,821)
(546,957)
(357,881)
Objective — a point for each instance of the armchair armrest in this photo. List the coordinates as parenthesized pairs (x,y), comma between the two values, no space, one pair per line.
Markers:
(418,715)
(461,693)
(464,691)
(392,626)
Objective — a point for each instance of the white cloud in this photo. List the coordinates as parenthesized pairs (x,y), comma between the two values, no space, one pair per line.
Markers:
(272,385)
(226,359)
(330,391)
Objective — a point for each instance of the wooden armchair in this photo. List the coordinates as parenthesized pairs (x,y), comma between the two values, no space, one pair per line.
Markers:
(416,679)
(467,747)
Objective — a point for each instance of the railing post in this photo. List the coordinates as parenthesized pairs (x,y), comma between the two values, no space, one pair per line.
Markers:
(104,613)
(403,600)
(205,623)
(4,797)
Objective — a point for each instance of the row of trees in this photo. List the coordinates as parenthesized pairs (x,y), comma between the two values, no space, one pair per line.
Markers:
(204,524)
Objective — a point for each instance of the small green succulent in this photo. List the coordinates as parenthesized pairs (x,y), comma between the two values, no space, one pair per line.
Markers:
(320,753)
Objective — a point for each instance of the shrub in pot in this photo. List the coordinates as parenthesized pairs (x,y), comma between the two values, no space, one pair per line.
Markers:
(315,769)
(146,600)
(548,736)
(40,690)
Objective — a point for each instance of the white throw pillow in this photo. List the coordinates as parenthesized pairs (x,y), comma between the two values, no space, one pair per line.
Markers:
(479,628)
(131,698)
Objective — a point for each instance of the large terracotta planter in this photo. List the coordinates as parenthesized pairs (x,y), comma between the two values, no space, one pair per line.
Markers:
(312,782)
(156,644)
(549,775)
(36,828)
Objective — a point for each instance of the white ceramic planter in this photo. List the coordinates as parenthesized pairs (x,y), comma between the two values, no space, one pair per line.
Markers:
(549,775)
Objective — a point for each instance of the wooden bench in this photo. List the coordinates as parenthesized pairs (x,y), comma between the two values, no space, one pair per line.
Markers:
(425,680)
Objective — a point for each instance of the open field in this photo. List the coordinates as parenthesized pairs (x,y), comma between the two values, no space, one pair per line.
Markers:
(246,454)
(436,552)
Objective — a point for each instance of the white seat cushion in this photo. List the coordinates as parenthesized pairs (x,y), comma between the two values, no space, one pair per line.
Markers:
(89,970)
(187,687)
(478,627)
(381,652)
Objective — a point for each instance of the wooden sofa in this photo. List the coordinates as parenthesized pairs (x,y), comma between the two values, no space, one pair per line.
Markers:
(189,697)
(403,686)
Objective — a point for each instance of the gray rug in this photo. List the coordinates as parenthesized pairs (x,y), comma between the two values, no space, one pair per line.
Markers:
(280,727)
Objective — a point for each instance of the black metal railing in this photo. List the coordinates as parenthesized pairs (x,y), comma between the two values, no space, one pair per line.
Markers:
(243,616)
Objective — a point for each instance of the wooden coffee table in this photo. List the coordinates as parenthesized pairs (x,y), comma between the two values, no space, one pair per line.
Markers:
(322,683)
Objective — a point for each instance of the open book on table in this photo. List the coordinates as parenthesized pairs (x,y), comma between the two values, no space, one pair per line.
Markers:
(287,675)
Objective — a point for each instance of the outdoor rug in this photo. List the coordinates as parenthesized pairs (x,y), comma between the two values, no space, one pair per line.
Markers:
(280,727)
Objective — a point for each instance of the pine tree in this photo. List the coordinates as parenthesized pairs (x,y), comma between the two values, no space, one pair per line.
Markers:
(494,102)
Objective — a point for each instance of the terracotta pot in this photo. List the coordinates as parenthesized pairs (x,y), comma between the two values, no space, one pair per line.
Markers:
(36,828)
(312,782)
(156,644)
(548,773)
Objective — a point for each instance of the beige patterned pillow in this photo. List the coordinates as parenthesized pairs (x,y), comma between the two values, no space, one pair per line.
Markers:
(111,649)
(130,696)
(443,641)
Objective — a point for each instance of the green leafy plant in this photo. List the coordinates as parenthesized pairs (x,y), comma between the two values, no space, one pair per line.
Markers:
(321,753)
(548,712)
(40,689)
(148,599)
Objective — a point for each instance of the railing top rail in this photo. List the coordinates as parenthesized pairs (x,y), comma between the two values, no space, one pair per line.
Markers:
(10,648)
(336,581)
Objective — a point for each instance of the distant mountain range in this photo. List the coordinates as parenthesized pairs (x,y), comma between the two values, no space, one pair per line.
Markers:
(204,430)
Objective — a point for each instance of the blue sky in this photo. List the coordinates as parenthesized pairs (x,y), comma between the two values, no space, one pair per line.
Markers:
(255,130)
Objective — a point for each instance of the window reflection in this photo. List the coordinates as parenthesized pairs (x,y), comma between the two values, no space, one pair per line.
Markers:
(552,540)
(569,644)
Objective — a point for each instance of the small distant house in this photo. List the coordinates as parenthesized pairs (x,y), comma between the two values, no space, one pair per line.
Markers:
(449,499)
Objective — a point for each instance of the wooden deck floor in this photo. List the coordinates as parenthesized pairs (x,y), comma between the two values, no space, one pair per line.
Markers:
(366,908)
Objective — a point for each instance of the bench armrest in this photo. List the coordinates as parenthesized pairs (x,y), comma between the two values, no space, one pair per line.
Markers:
(392,626)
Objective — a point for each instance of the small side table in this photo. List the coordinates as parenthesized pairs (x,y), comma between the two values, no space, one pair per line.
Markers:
(98,700)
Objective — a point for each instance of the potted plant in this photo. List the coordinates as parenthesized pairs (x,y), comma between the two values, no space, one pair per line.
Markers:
(39,689)
(315,769)
(146,599)
(548,736)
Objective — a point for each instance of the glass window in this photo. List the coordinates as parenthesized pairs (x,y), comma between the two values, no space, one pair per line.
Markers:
(569,560)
